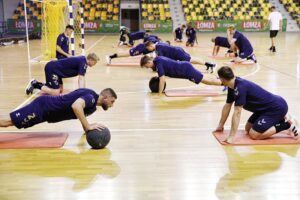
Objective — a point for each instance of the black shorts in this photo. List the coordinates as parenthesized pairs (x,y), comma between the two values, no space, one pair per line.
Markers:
(52,80)
(29,115)
(273,33)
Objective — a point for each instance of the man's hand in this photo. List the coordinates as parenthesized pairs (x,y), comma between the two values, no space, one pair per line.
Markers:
(219,129)
(229,139)
(68,55)
(96,126)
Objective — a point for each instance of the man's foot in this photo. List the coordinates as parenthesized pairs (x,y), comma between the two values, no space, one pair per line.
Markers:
(108,60)
(294,128)
(210,66)
(274,49)
(30,87)
(271,48)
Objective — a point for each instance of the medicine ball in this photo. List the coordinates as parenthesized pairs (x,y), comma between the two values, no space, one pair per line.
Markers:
(98,139)
(154,84)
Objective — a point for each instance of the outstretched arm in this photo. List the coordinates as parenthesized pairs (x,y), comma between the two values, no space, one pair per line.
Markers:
(81,81)
(210,80)
(234,123)
(225,113)
(78,107)
(162,81)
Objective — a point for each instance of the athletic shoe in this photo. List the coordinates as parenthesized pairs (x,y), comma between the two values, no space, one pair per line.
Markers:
(30,87)
(108,60)
(210,66)
(274,49)
(271,48)
(294,128)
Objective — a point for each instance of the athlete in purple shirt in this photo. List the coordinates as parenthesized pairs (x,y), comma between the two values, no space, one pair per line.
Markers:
(222,42)
(135,51)
(136,36)
(178,33)
(176,53)
(75,105)
(62,43)
(270,112)
(64,68)
(237,40)
(176,69)
(191,35)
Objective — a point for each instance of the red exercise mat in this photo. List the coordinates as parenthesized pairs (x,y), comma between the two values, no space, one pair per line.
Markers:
(242,138)
(29,140)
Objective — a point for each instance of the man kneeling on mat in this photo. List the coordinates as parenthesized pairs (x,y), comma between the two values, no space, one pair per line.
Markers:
(64,68)
(270,111)
(176,69)
(75,105)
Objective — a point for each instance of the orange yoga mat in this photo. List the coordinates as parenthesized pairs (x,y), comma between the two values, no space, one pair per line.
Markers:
(191,93)
(242,63)
(242,138)
(29,140)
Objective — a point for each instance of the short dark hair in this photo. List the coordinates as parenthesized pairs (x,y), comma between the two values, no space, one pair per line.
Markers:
(70,27)
(144,60)
(183,26)
(110,92)
(273,7)
(226,73)
(148,43)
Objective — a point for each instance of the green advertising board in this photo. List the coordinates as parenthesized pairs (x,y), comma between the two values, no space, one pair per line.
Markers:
(158,26)
(19,26)
(244,26)
(101,26)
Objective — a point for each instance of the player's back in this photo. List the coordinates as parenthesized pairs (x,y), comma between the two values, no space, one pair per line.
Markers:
(58,108)
(172,68)
(68,67)
(255,97)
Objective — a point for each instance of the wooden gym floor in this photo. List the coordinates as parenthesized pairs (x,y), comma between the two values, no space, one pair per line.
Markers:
(160,148)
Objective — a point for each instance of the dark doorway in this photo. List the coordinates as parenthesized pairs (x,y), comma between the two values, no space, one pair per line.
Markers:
(130,19)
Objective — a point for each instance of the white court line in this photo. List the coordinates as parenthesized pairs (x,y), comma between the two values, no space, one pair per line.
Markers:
(241,126)
(95,43)
(27,100)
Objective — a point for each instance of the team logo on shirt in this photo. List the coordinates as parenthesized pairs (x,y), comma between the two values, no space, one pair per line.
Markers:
(93,100)
(62,39)
(54,77)
(18,114)
(261,122)
(236,92)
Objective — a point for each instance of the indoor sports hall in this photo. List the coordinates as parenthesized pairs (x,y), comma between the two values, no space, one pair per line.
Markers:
(160,146)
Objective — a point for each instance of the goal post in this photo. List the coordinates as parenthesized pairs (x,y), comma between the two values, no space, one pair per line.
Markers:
(54,16)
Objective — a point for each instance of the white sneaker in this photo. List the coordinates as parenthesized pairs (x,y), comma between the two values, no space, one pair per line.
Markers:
(294,125)
(108,60)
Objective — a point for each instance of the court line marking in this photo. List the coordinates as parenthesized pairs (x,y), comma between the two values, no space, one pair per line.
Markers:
(241,126)
(27,100)
(95,43)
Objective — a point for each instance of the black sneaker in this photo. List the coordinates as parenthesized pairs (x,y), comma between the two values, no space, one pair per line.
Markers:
(30,87)
(274,50)
(210,66)
(271,48)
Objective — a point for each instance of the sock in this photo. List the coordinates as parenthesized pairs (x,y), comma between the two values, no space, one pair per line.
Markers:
(208,64)
(38,85)
(282,126)
(113,56)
